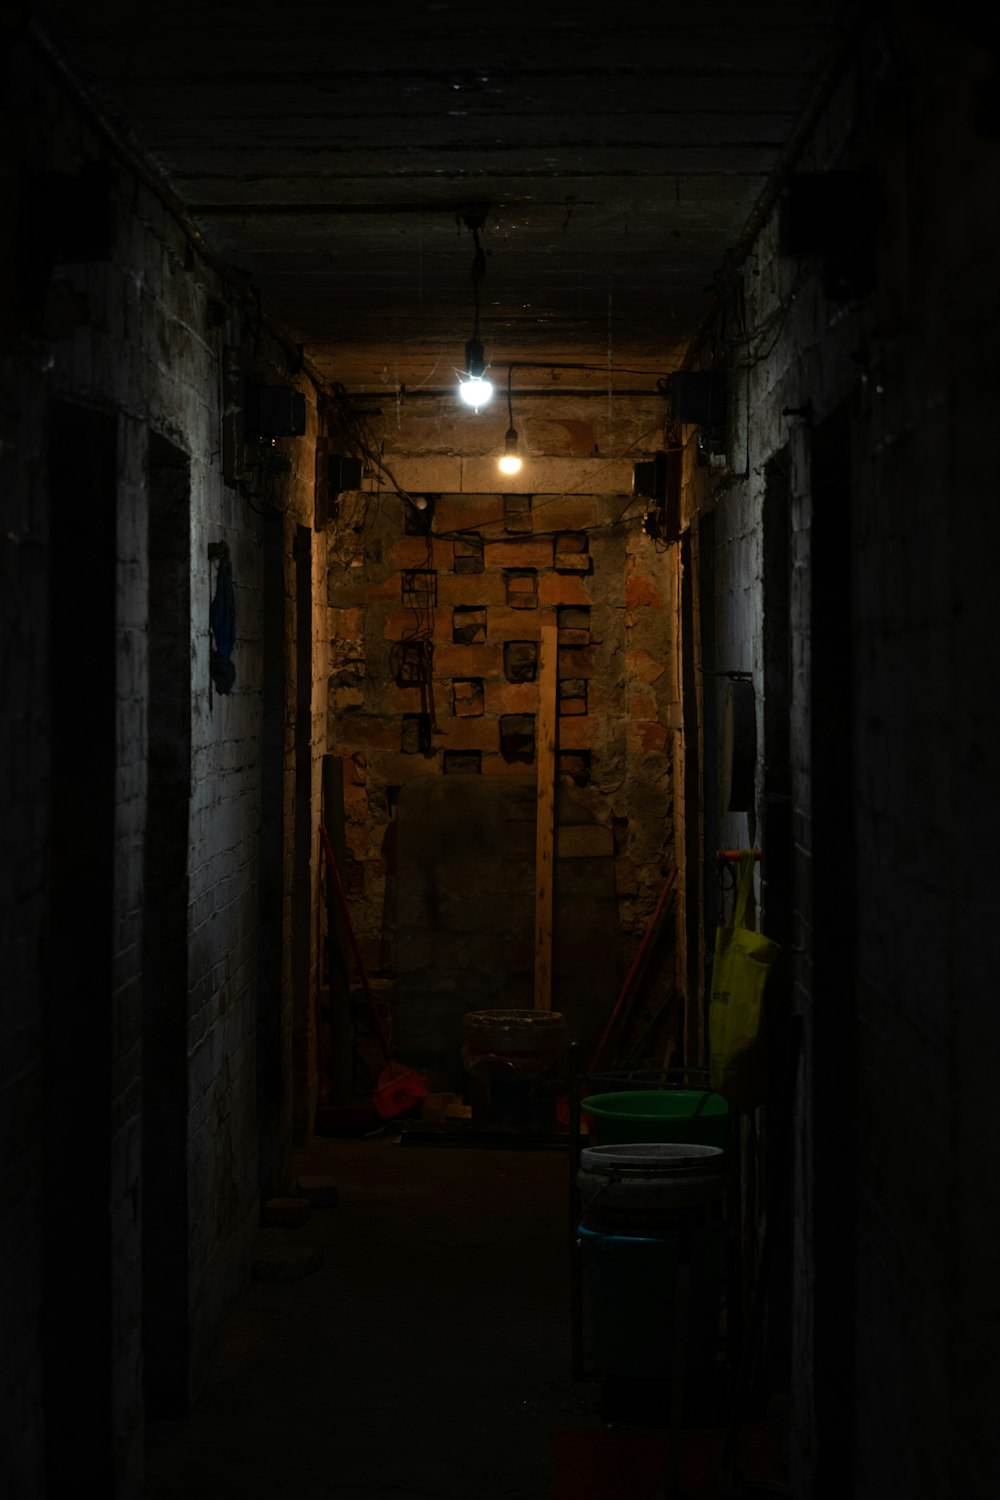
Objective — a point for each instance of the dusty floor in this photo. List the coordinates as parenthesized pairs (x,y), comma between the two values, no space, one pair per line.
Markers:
(429,1357)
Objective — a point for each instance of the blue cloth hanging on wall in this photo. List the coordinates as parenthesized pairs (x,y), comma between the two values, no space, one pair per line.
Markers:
(222,620)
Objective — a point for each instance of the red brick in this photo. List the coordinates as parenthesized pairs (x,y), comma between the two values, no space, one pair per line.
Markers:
(346,624)
(576,663)
(571,706)
(400,700)
(399,624)
(495,765)
(411,552)
(468,734)
(562,588)
(466,661)
(359,592)
(520,554)
(521,586)
(503,624)
(467,698)
(566,512)
(470,588)
(572,543)
(456,512)
(512,697)
(573,562)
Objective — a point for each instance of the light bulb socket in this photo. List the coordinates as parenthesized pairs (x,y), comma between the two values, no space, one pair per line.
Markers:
(475,360)
(510,443)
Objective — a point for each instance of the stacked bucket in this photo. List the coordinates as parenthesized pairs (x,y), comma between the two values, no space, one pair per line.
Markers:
(653,1185)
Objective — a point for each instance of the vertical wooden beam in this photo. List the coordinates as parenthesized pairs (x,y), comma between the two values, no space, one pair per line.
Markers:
(340,1075)
(545,835)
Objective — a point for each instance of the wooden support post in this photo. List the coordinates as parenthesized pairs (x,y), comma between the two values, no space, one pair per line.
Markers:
(545,836)
(339,1079)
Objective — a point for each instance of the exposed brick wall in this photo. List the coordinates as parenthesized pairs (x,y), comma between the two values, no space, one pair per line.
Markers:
(476,591)
(904,375)
(146,343)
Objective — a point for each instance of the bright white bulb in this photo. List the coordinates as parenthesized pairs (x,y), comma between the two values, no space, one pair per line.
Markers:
(509,464)
(475,392)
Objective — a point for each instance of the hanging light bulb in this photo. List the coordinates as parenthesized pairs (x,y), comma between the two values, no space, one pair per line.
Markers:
(473,387)
(510,463)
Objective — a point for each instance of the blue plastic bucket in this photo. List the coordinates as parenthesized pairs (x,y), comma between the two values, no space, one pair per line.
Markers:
(633,1301)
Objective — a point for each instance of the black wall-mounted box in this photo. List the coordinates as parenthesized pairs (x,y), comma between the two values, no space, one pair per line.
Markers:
(659,480)
(342,474)
(699,397)
(273,411)
(334,472)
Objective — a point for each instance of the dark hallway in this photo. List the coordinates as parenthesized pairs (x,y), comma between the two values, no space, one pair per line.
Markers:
(466,477)
(428,1356)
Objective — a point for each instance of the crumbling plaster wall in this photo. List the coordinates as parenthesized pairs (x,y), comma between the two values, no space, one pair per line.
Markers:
(498,575)
(139,336)
(907,372)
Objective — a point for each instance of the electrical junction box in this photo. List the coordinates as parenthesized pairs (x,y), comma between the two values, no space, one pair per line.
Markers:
(273,411)
(335,472)
(342,474)
(699,397)
(659,480)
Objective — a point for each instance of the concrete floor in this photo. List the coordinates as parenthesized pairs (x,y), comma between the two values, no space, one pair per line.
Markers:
(429,1357)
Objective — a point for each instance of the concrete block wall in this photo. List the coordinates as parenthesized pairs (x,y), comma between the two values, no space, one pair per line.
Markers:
(893,779)
(139,337)
(482,582)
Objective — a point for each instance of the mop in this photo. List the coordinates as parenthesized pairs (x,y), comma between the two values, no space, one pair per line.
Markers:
(398,1087)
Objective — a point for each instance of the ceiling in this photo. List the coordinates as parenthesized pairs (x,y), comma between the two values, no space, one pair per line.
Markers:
(614,153)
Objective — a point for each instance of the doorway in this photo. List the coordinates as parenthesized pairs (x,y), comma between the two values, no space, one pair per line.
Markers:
(165,951)
(832,980)
(78,1130)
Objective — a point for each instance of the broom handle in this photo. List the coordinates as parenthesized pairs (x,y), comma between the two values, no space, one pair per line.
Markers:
(342,898)
(654,919)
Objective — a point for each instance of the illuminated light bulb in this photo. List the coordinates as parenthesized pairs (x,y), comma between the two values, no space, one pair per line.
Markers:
(474,389)
(510,463)
(475,392)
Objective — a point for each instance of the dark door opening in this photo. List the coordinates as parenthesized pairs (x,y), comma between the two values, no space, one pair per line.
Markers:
(777,911)
(77,1316)
(274,1081)
(777,832)
(306,1078)
(833,969)
(165,952)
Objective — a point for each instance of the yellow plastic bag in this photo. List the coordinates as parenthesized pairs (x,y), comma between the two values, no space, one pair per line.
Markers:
(737,1034)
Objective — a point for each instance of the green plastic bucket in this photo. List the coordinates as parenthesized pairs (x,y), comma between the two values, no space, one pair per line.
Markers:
(694,1117)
